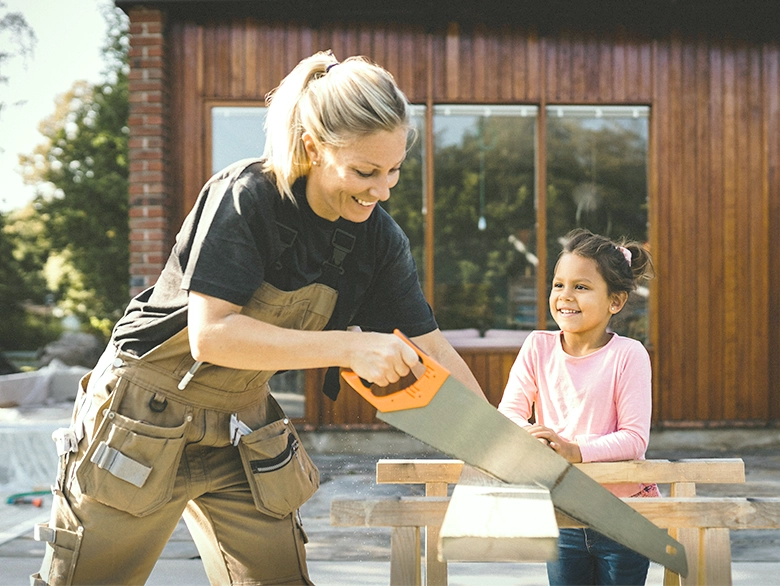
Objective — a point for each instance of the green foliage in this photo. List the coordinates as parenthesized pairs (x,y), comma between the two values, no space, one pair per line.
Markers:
(596,178)
(25,321)
(82,202)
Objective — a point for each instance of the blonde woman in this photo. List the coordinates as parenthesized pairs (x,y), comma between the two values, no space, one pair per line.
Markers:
(277,258)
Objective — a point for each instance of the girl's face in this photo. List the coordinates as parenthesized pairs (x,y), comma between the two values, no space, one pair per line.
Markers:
(579,301)
(348,182)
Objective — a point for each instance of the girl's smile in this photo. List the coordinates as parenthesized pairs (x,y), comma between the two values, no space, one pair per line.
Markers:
(581,304)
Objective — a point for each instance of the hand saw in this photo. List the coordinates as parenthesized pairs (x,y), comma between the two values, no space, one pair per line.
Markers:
(442,412)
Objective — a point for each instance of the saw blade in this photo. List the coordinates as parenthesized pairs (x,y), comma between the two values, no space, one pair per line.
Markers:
(464,426)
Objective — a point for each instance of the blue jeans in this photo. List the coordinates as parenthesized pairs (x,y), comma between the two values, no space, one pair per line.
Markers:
(586,556)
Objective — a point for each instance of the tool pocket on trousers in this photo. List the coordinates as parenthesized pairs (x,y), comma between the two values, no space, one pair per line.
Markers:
(131,465)
(281,475)
(63,542)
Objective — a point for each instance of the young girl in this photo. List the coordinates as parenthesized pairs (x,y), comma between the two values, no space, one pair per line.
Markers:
(592,392)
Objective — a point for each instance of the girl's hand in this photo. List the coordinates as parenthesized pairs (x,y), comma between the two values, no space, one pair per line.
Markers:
(569,450)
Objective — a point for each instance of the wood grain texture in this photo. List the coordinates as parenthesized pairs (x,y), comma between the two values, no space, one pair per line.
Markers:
(481,523)
(682,472)
(694,512)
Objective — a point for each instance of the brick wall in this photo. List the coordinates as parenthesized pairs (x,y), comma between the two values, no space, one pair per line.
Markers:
(150,193)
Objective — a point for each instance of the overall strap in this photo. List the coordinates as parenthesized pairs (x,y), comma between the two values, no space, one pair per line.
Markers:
(343,243)
(287,238)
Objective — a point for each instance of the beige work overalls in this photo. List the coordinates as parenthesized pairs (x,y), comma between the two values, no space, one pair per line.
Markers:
(149,452)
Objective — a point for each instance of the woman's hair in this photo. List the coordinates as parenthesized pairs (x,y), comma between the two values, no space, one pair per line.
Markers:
(335,103)
(622,264)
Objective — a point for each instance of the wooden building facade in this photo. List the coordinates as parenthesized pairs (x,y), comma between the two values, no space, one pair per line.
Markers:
(708,71)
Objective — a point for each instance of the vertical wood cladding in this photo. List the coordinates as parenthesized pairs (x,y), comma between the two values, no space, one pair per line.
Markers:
(713,163)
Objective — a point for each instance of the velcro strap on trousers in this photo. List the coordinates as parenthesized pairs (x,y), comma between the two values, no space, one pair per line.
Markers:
(45,533)
(124,468)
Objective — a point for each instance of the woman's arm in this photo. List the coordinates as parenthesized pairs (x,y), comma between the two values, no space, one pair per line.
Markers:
(435,345)
(219,334)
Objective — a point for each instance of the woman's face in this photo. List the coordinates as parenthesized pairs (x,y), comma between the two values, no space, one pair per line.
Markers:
(348,182)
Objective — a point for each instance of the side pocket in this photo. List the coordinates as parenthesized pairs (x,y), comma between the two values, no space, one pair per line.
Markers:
(63,542)
(131,465)
(281,475)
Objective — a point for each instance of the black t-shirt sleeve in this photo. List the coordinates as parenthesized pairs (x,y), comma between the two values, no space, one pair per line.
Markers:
(396,299)
(232,240)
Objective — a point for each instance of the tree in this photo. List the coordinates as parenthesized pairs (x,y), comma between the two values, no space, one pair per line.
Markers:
(81,172)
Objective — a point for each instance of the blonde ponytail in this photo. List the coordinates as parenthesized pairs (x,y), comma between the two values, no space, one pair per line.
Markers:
(335,104)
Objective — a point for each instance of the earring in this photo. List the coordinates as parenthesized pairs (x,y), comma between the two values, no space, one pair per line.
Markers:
(315,163)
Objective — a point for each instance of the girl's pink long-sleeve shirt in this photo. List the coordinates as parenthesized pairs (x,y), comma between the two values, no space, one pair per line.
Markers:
(602,401)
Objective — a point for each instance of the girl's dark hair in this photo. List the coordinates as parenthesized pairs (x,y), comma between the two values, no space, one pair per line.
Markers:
(612,262)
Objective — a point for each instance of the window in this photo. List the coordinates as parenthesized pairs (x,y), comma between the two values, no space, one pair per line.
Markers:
(236,133)
(483,267)
(597,179)
(485,220)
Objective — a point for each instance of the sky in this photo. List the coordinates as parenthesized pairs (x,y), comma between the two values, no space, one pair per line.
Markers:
(71,34)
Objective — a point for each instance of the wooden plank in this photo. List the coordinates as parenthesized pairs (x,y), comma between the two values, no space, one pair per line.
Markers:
(726,513)
(236,63)
(401,471)
(660,233)
(756,390)
(688,204)
(479,63)
(563,67)
(481,524)
(404,556)
(715,565)
(710,471)
(732,292)
(716,272)
(771,150)
(743,197)
(619,64)
(703,213)
(435,570)
(452,51)
(400,512)
(676,277)
(690,540)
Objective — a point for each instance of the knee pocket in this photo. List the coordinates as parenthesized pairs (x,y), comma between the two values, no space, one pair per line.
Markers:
(63,537)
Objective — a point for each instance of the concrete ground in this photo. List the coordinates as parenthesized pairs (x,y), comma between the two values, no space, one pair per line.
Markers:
(346,556)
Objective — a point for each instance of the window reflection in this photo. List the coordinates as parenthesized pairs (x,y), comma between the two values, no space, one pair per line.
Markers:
(484,257)
(407,199)
(597,179)
(236,133)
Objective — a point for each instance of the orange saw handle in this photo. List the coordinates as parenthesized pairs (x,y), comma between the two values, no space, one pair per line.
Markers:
(416,395)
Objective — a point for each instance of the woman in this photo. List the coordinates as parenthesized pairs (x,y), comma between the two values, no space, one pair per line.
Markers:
(277,258)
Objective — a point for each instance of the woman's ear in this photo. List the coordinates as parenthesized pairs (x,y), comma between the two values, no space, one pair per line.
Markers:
(618,300)
(313,150)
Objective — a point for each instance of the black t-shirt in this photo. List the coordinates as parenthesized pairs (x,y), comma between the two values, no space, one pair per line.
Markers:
(237,236)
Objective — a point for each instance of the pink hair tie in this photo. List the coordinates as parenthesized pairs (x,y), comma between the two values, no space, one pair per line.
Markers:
(626,253)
